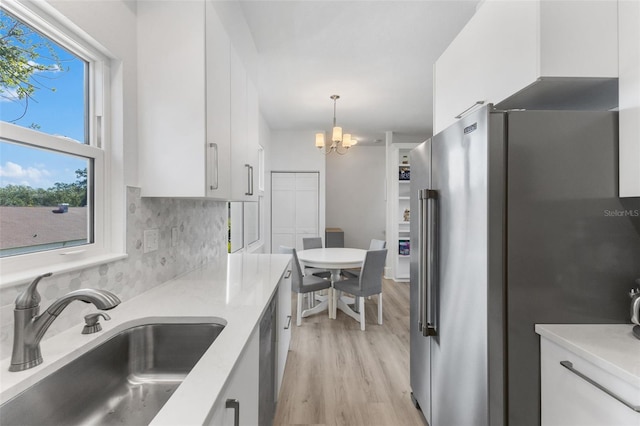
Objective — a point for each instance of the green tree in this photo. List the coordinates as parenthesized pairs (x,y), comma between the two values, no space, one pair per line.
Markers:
(75,194)
(22,66)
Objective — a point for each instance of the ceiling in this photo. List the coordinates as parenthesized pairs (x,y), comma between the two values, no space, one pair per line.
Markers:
(377,55)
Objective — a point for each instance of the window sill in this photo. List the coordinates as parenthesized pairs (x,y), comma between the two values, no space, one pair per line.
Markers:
(27,276)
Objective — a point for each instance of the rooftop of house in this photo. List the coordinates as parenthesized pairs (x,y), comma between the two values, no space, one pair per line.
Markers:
(29,226)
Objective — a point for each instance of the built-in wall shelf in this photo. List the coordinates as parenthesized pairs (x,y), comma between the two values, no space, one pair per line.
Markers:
(398,229)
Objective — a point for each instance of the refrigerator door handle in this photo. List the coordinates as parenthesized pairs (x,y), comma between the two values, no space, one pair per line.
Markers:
(428,296)
(422,250)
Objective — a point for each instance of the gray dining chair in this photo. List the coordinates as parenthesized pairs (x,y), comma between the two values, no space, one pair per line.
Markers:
(303,284)
(312,243)
(373,245)
(367,284)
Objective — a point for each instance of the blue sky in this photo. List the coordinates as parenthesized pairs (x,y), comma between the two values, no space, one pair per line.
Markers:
(59,112)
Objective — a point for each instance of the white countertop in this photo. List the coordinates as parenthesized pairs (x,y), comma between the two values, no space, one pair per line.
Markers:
(236,289)
(612,347)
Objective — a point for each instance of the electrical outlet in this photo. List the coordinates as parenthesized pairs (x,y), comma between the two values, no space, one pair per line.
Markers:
(174,236)
(151,237)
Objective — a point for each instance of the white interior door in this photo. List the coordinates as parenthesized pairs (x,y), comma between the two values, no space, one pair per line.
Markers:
(294,208)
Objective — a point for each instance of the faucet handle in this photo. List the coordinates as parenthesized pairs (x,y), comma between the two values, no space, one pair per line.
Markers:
(92,324)
(30,298)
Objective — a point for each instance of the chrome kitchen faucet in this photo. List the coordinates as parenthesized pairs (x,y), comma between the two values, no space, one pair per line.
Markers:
(29,327)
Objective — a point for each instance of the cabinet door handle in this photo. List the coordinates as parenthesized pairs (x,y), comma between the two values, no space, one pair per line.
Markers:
(213,160)
(569,366)
(288,274)
(462,114)
(249,179)
(288,322)
(235,404)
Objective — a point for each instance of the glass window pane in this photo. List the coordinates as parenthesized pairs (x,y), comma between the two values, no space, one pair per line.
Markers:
(44,199)
(42,85)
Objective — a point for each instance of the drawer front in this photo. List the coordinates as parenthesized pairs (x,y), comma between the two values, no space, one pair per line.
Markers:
(569,399)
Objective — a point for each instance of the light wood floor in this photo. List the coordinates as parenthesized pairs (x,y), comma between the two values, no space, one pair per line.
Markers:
(339,375)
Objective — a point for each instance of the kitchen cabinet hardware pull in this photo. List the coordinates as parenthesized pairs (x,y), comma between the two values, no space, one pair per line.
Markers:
(214,160)
(235,404)
(466,111)
(249,173)
(288,322)
(569,366)
(251,180)
(288,274)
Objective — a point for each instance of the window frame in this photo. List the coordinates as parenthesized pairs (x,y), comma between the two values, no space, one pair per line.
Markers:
(108,242)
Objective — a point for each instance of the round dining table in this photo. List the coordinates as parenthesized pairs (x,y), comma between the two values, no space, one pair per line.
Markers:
(334,259)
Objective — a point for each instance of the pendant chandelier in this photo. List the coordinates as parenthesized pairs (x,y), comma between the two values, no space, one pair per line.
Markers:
(340,143)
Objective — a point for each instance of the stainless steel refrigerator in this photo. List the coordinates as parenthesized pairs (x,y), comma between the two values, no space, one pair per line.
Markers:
(515,220)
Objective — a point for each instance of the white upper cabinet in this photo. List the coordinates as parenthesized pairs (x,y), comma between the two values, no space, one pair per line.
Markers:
(192,105)
(218,90)
(629,93)
(244,140)
(253,137)
(532,53)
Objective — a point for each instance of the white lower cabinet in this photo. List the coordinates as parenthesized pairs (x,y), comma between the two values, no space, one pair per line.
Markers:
(240,395)
(572,394)
(283,324)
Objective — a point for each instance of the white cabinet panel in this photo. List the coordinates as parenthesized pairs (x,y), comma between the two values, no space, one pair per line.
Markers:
(578,38)
(509,46)
(198,113)
(242,386)
(283,326)
(171,99)
(253,145)
(629,94)
(218,67)
(482,64)
(239,172)
(569,400)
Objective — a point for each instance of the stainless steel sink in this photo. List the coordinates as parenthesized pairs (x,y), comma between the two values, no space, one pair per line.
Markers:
(125,380)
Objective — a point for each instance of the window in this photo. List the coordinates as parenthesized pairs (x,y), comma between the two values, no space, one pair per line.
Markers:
(53,186)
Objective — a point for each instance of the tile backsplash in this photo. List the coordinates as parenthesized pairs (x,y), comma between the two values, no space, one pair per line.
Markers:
(201,237)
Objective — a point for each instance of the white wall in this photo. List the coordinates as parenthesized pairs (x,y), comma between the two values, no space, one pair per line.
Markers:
(356,194)
(295,151)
